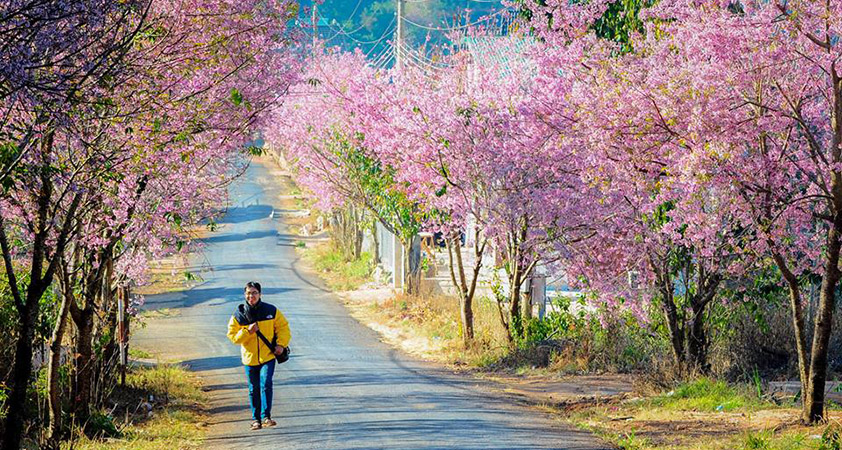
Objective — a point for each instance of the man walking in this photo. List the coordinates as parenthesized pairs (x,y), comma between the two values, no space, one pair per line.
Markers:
(251,318)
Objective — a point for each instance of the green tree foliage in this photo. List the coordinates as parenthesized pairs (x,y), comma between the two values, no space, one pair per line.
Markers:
(377,189)
(620,21)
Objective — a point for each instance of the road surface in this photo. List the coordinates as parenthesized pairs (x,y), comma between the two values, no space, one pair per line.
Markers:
(342,388)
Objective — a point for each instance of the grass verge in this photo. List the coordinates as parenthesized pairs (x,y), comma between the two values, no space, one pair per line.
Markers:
(338,273)
(161,407)
(704,415)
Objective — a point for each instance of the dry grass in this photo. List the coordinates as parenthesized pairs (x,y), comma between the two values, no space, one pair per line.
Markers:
(174,419)
(429,326)
(688,430)
(174,273)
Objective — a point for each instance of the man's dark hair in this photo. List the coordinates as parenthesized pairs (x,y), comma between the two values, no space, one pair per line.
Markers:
(253,284)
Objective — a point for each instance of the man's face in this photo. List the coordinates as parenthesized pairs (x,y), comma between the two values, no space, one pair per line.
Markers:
(252,296)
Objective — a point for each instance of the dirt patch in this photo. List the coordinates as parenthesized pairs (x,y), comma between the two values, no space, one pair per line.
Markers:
(570,390)
(678,432)
(363,305)
(657,428)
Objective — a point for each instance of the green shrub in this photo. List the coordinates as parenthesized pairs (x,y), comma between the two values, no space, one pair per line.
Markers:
(4,395)
(101,425)
(756,442)
(630,441)
(831,438)
(707,395)
(617,343)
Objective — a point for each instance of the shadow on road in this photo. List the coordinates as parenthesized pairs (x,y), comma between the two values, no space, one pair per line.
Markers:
(197,296)
(318,284)
(213,363)
(242,214)
(237,237)
(227,267)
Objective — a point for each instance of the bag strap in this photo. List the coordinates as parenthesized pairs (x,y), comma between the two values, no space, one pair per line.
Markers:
(265,341)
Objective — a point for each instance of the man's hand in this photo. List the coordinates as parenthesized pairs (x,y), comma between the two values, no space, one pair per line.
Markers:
(279,349)
(253,328)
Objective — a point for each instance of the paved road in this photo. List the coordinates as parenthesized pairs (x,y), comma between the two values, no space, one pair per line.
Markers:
(342,388)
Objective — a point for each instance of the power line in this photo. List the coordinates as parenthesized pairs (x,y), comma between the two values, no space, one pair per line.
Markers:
(422,59)
(383,36)
(390,56)
(458,27)
(342,30)
(375,41)
(382,56)
(424,66)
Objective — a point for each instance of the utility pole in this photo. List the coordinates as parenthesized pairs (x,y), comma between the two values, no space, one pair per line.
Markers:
(398,46)
(315,26)
(123,331)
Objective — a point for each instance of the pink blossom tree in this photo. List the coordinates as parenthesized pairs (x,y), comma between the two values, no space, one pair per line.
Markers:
(129,158)
(327,133)
(728,115)
(769,97)
(658,232)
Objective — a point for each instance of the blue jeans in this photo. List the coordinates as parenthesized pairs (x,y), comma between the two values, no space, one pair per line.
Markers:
(260,389)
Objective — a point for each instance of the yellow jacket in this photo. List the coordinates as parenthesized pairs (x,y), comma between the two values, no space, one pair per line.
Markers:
(271,324)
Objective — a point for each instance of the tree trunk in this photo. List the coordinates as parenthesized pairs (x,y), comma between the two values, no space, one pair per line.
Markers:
(515,282)
(697,338)
(466,293)
(55,425)
(799,327)
(376,240)
(123,331)
(814,396)
(16,402)
(358,233)
(411,264)
(479,250)
(501,297)
(40,279)
(467,312)
(676,332)
(84,363)
(671,316)
(521,266)
(817,374)
(348,232)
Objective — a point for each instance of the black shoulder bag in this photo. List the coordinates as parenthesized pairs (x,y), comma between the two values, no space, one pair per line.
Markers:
(283,357)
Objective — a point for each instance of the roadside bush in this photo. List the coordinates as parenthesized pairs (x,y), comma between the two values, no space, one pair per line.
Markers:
(831,438)
(101,425)
(572,339)
(754,339)
(758,336)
